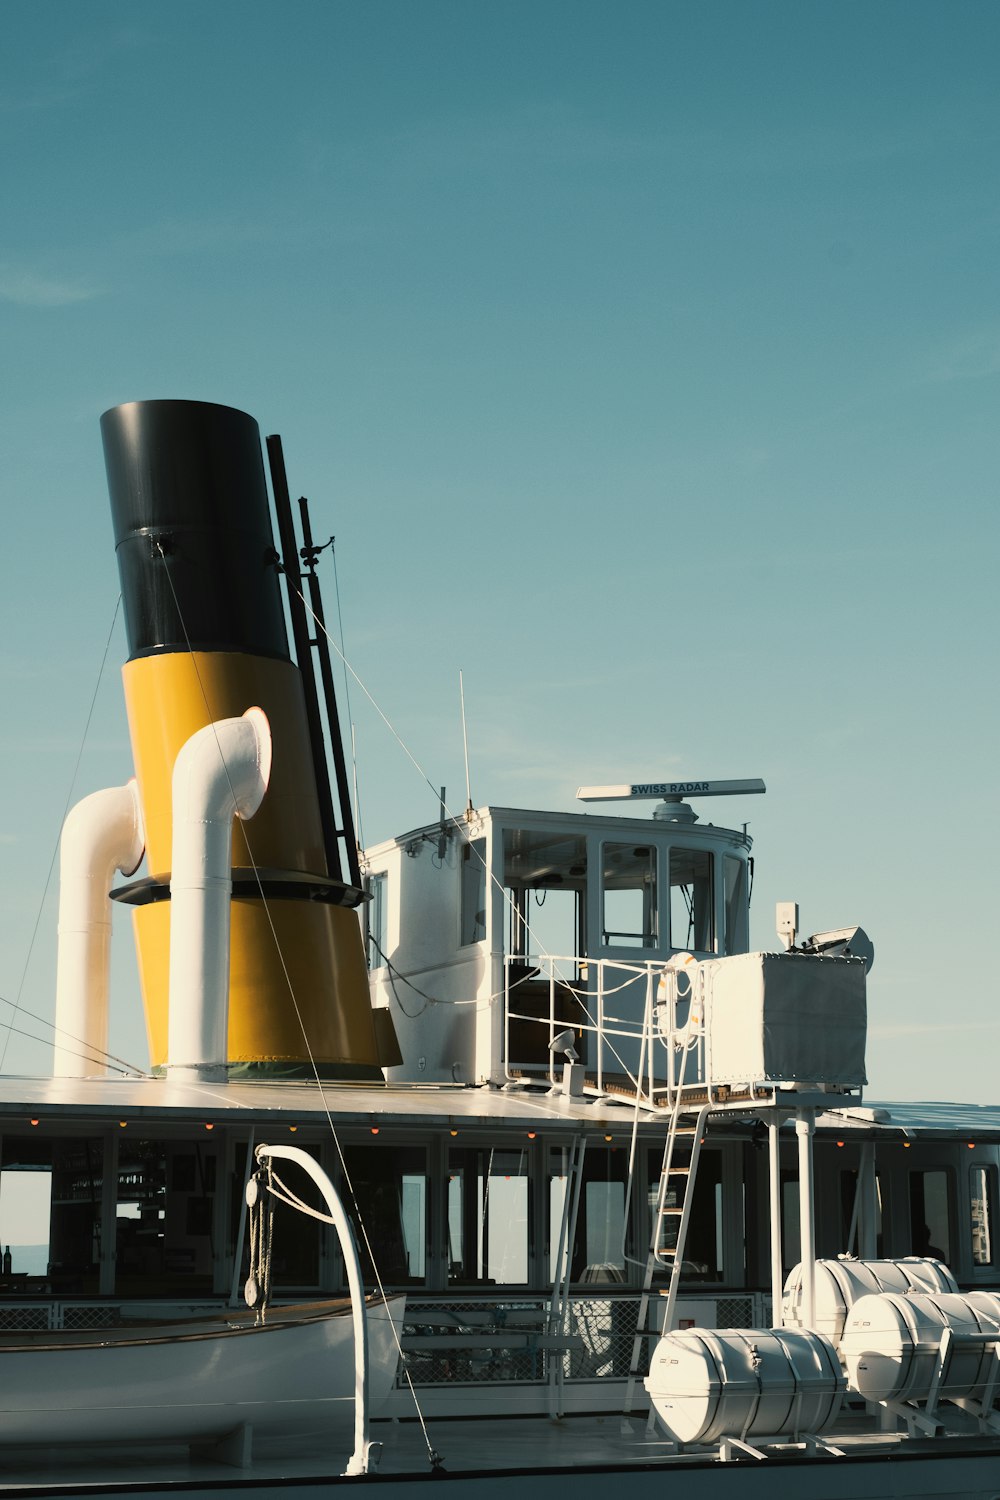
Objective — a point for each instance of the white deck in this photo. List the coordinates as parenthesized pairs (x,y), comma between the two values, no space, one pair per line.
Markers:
(533,1455)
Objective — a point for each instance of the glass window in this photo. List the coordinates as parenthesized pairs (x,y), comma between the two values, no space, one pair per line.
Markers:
(703,1252)
(391,1193)
(930,1225)
(545,879)
(692,913)
(50,1215)
(165,1217)
(376,925)
(628,894)
(982,1199)
(791,1241)
(848,1194)
(473,892)
(734,872)
(488,1216)
(598,1245)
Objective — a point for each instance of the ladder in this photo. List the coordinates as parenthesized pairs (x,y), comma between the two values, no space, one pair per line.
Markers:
(671,1217)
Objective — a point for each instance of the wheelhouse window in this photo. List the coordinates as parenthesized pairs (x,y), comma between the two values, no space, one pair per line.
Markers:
(736,909)
(628,896)
(982,1206)
(376,920)
(473,919)
(692,911)
(545,879)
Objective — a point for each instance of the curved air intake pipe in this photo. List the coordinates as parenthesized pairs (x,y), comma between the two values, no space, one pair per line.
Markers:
(221,773)
(101,834)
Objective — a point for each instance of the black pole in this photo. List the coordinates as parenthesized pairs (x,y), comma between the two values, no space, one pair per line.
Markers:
(303,652)
(333,718)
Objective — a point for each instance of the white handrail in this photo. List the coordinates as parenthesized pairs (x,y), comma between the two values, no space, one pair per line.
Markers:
(359,1461)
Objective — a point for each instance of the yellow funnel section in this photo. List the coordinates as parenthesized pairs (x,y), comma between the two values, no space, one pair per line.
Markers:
(298,979)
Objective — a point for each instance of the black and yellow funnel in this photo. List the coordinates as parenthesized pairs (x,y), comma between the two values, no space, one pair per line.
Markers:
(207,639)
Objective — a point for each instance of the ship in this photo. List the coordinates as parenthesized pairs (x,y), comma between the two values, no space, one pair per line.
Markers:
(555,1177)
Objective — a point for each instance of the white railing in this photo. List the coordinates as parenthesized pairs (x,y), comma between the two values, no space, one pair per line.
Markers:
(643,1026)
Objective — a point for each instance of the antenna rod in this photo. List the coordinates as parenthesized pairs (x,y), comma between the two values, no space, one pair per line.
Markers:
(465,742)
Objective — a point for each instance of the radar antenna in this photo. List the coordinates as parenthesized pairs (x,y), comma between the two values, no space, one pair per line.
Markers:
(673,794)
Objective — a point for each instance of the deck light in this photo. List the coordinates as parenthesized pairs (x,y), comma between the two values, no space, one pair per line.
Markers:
(531,1135)
(32,1122)
(209,1126)
(374,1130)
(293,1128)
(907,1145)
(607,1138)
(840,1143)
(122,1124)
(972,1145)
(453,1132)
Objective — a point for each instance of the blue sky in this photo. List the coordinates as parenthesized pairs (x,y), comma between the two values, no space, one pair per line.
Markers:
(644,359)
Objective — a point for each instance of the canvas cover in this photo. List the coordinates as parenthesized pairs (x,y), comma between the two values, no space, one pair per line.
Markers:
(787,1018)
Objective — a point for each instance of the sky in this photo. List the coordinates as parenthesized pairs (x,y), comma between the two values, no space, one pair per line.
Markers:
(642,357)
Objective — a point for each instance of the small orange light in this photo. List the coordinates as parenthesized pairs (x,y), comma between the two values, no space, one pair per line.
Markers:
(840,1143)
(293,1128)
(122,1124)
(531,1135)
(209,1126)
(972,1145)
(607,1138)
(906,1145)
(374,1130)
(453,1132)
(33,1122)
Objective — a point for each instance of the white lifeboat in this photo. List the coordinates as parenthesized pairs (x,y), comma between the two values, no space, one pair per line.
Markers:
(707,1385)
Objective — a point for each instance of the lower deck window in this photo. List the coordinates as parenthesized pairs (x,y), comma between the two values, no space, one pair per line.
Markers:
(597,1249)
(930,1220)
(50,1215)
(488,1216)
(982,1197)
(389,1186)
(703,1258)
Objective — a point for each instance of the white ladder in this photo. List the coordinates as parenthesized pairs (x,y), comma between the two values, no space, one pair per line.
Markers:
(671,1218)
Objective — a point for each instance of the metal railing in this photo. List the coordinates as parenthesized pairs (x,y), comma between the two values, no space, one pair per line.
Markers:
(452,1343)
(643,1026)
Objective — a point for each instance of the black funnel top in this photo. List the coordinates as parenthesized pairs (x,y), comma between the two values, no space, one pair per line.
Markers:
(190,512)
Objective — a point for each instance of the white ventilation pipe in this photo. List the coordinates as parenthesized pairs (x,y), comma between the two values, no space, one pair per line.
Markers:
(221,773)
(101,834)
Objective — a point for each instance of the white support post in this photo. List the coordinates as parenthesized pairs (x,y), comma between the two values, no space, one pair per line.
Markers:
(805,1125)
(777,1279)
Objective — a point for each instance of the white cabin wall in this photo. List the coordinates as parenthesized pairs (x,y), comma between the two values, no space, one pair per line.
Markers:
(435,1013)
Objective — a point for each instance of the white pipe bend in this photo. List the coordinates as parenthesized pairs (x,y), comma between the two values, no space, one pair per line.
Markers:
(221,773)
(102,833)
